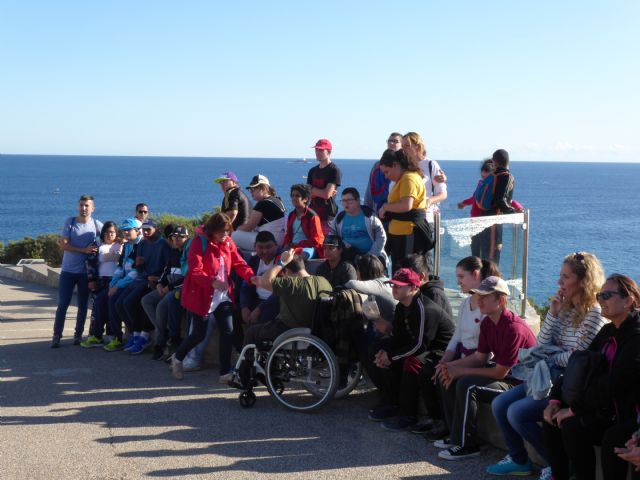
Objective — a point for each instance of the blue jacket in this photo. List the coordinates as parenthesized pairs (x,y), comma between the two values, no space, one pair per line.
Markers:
(126,271)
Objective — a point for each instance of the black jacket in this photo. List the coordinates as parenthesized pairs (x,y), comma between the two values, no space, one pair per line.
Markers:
(172,274)
(421,328)
(434,289)
(614,392)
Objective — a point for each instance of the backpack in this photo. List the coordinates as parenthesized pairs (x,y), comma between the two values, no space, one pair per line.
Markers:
(379,187)
(485,192)
(72,223)
(583,367)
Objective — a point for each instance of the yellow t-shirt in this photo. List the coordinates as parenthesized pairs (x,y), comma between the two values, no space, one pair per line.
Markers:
(410,184)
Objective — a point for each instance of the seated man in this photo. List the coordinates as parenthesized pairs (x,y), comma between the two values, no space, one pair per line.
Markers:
(420,334)
(259,305)
(335,269)
(359,228)
(152,255)
(465,382)
(430,285)
(161,303)
(297,292)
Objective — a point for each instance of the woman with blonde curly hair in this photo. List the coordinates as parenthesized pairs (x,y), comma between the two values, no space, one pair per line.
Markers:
(573,320)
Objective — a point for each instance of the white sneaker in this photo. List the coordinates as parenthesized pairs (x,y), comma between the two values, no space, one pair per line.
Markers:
(443,443)
(545,474)
(176,369)
(226,378)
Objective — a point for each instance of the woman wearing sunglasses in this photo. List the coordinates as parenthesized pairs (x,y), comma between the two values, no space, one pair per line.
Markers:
(605,412)
(572,322)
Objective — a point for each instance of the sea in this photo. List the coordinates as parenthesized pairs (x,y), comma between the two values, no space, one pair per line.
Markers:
(593,207)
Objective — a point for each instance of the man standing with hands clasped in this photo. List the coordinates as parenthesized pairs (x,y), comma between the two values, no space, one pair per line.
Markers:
(324,179)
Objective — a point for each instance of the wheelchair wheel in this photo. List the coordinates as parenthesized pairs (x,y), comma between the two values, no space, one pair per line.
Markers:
(353,378)
(302,373)
(247,399)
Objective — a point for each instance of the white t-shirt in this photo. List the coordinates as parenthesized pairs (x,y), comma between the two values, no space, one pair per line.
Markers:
(468,327)
(108,256)
(218,295)
(263,293)
(433,188)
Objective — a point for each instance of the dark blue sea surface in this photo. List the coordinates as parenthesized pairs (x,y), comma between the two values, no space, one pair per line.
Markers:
(593,207)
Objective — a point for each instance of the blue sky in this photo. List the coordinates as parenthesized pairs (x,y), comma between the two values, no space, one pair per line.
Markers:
(546,80)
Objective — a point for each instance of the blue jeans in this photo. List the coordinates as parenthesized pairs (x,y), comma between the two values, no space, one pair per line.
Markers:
(68,281)
(116,316)
(517,416)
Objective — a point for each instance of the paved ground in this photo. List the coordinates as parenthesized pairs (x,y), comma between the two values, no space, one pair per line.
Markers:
(76,413)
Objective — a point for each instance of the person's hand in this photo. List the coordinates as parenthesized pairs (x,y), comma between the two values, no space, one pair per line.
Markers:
(382,326)
(112,291)
(633,441)
(561,415)
(452,373)
(631,455)
(220,286)
(555,303)
(461,205)
(287,256)
(254,281)
(90,249)
(382,359)
(159,289)
(382,211)
(549,413)
(92,286)
(441,373)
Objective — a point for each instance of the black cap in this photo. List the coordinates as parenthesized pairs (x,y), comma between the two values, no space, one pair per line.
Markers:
(333,240)
(180,231)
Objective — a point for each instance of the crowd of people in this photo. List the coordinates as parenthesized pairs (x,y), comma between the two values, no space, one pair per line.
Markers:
(255,271)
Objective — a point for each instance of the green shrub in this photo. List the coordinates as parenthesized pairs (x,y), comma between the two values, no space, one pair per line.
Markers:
(44,246)
(191,223)
(540,309)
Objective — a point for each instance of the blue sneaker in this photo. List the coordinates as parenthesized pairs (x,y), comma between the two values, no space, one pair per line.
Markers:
(507,466)
(140,346)
(133,339)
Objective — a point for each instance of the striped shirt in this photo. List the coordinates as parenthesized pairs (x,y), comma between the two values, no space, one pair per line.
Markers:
(559,330)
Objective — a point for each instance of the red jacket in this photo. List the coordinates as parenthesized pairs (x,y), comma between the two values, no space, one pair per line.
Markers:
(197,289)
(310,223)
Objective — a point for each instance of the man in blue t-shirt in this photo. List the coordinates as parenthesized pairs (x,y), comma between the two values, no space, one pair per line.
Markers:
(79,239)
(359,228)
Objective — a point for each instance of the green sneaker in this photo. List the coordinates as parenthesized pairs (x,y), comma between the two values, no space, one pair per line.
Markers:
(92,342)
(114,345)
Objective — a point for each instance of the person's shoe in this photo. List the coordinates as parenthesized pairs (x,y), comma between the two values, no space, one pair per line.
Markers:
(382,413)
(438,431)
(92,342)
(131,341)
(77,339)
(114,345)
(443,443)
(459,453)
(170,349)
(399,424)
(226,378)
(176,368)
(546,474)
(55,341)
(158,351)
(423,427)
(140,346)
(190,365)
(507,466)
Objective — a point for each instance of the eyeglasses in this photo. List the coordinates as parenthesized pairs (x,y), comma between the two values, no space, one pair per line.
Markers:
(393,140)
(607,294)
(143,211)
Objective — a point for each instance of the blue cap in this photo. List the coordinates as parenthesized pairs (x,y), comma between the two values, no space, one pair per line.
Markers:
(150,224)
(129,223)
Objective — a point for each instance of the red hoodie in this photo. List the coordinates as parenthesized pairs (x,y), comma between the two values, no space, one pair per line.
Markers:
(197,289)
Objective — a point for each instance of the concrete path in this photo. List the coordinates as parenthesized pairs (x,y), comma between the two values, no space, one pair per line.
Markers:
(75,413)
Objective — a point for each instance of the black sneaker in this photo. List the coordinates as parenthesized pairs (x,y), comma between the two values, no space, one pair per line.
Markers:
(77,339)
(55,341)
(422,427)
(382,413)
(437,432)
(459,453)
(158,352)
(399,424)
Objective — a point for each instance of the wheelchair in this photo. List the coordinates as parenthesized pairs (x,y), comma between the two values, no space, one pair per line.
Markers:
(299,369)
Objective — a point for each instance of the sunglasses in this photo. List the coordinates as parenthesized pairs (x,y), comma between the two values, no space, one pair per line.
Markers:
(143,211)
(607,294)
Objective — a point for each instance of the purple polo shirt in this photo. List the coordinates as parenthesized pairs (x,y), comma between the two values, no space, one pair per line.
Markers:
(505,338)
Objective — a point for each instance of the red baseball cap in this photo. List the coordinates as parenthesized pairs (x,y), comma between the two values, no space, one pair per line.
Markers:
(323,144)
(404,277)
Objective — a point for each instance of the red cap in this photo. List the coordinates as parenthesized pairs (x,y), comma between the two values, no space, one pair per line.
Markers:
(404,277)
(323,144)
